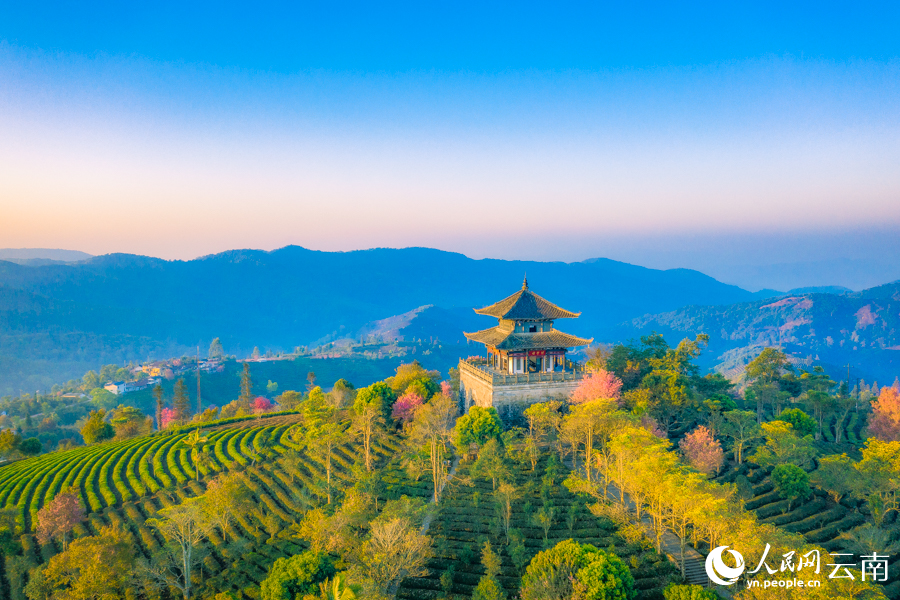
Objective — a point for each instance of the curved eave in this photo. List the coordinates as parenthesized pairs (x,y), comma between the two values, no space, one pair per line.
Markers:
(503,340)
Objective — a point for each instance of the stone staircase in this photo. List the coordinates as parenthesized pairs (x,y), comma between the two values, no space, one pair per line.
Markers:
(694,562)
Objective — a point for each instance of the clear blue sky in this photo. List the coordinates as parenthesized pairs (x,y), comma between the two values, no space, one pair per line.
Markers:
(669,135)
(451,36)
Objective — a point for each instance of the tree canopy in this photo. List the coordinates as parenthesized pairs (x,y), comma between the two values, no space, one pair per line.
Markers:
(555,574)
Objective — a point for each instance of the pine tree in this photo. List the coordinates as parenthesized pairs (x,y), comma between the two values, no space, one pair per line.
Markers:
(182,403)
(215,350)
(246,387)
(158,396)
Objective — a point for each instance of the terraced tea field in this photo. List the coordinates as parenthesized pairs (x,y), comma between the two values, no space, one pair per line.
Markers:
(468,517)
(127,482)
(852,429)
(818,518)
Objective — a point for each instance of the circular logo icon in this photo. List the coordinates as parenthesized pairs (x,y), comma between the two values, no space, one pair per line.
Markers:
(718,571)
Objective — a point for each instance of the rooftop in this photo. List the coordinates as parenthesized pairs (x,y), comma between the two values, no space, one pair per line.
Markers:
(525,305)
(505,340)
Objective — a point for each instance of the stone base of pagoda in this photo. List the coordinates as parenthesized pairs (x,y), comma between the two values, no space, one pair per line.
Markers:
(512,394)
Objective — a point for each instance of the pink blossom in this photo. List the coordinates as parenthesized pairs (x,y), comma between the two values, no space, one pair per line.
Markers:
(445,388)
(261,405)
(405,406)
(168,415)
(703,451)
(598,384)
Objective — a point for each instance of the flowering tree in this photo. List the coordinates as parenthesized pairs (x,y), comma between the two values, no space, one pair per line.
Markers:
(405,406)
(262,405)
(167,415)
(58,517)
(702,450)
(445,388)
(596,385)
(884,423)
(652,425)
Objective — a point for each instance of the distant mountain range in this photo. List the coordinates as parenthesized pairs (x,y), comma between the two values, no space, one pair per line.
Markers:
(860,329)
(41,256)
(59,320)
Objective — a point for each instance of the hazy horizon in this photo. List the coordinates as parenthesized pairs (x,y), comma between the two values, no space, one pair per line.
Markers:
(732,140)
(853,273)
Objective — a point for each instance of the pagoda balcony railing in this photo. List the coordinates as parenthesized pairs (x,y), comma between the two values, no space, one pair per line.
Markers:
(490,375)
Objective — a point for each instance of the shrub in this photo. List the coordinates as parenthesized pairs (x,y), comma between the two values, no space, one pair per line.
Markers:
(802,423)
(476,427)
(30,446)
(96,429)
(791,481)
(293,577)
(570,569)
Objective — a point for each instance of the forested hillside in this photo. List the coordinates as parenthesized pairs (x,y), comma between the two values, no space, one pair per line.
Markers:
(862,329)
(58,321)
(389,492)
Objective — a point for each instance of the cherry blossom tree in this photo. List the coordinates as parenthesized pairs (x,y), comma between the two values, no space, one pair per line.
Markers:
(703,451)
(405,406)
(58,517)
(596,385)
(262,405)
(884,423)
(168,415)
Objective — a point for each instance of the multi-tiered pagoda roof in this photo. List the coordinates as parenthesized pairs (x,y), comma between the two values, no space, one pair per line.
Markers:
(526,323)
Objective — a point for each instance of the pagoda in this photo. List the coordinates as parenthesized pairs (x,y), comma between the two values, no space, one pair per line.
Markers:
(525,356)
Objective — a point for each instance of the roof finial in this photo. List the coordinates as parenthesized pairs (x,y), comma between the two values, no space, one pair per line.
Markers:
(525,282)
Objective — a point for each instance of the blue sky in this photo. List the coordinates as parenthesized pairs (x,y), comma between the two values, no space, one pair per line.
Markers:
(718,136)
(475,36)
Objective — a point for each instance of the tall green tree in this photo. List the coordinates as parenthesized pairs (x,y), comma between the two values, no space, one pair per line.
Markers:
(764,374)
(321,432)
(491,463)
(368,421)
(741,426)
(489,587)
(194,441)
(181,402)
(246,397)
(215,350)
(670,383)
(160,405)
(791,481)
(476,427)
(784,446)
(96,429)
(432,428)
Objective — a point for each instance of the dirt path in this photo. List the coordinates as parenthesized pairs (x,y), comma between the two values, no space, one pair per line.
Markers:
(431,514)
